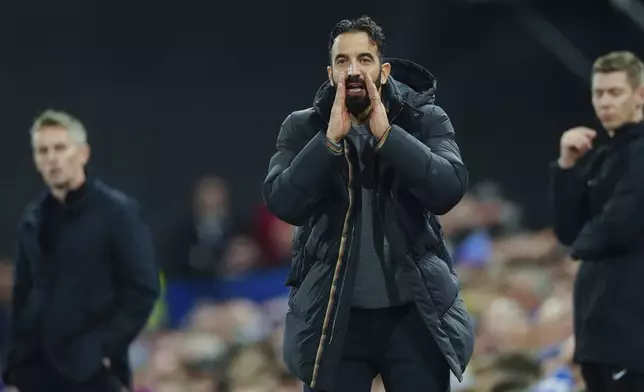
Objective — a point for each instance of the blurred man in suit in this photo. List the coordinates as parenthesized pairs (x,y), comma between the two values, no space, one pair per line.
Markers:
(85,275)
(598,199)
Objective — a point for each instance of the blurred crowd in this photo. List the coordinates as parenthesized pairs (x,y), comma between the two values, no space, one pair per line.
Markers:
(518,287)
(516,283)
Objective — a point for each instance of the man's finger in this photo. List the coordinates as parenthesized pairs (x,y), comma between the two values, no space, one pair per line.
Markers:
(371,87)
(587,131)
(591,133)
(340,91)
(584,145)
(345,114)
(589,138)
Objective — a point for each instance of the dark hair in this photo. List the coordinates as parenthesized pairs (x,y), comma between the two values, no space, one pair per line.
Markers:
(364,24)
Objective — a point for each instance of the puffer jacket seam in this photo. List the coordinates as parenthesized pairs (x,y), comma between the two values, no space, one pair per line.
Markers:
(442,316)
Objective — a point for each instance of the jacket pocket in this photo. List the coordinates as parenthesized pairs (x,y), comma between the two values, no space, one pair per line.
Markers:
(308,300)
(300,261)
(458,325)
(439,280)
(303,326)
(80,358)
(299,347)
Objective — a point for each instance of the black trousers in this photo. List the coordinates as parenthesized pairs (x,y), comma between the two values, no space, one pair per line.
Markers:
(606,378)
(396,344)
(37,375)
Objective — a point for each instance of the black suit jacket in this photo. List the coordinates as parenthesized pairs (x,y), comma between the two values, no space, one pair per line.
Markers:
(99,296)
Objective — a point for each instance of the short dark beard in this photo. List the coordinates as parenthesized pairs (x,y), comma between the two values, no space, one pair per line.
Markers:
(358,106)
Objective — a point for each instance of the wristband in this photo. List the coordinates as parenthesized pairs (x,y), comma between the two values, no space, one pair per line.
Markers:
(335,147)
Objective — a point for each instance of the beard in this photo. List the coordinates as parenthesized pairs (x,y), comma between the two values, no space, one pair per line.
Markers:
(357,105)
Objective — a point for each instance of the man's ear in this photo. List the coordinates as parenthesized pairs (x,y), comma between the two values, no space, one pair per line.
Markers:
(385,70)
(640,96)
(329,72)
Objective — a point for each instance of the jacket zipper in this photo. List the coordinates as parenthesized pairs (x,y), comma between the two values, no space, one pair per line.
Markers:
(346,223)
(336,275)
(337,310)
(336,272)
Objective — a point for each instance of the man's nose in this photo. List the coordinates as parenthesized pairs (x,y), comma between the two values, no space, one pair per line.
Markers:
(354,69)
(605,101)
(52,158)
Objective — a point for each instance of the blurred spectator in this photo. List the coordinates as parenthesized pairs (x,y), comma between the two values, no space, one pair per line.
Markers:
(274,237)
(241,255)
(199,245)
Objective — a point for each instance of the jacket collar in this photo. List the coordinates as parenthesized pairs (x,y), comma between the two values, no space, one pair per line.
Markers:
(75,201)
(628,132)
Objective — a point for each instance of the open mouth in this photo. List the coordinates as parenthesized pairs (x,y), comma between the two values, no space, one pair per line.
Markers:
(355,88)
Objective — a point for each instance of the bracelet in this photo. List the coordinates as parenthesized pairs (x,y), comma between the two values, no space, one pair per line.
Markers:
(383,138)
(334,146)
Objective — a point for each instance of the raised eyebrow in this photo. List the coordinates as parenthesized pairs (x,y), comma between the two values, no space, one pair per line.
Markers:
(341,57)
(361,55)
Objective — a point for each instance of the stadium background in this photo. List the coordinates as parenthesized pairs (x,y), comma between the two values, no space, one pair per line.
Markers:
(174,91)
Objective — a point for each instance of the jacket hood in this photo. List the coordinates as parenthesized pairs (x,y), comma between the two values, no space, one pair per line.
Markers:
(408,83)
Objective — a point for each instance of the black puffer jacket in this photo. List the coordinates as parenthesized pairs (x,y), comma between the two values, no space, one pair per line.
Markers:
(420,175)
